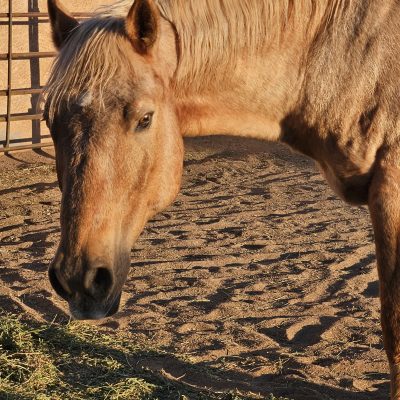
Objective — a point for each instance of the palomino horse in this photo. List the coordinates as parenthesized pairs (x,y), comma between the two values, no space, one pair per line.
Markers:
(320,75)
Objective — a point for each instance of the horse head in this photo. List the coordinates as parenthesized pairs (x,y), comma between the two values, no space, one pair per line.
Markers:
(119,151)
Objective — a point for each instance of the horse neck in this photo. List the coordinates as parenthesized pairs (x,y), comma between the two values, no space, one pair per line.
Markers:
(255,93)
(247,101)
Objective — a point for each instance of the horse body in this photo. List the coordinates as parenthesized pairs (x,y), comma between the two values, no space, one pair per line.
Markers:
(329,93)
(321,76)
(348,112)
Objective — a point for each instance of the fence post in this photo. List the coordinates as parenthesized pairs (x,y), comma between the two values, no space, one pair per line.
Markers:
(9,78)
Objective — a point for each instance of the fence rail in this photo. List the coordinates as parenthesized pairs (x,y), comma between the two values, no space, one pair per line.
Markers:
(17,92)
(41,14)
(9,92)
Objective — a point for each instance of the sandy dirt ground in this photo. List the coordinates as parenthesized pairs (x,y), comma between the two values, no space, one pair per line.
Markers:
(257,271)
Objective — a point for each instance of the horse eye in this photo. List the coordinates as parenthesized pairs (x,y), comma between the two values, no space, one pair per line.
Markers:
(144,122)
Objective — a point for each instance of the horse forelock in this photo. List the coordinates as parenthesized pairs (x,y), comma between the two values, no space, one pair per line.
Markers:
(88,64)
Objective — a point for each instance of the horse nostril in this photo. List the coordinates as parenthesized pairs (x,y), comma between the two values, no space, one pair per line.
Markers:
(99,282)
(57,285)
(103,278)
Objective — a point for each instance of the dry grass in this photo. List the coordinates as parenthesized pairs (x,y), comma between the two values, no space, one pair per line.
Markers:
(78,361)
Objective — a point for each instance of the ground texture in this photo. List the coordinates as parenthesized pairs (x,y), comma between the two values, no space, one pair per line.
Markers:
(257,272)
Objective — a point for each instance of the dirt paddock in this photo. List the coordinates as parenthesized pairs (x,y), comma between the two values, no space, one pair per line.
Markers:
(257,270)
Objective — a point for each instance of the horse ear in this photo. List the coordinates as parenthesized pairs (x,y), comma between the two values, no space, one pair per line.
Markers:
(62,22)
(141,25)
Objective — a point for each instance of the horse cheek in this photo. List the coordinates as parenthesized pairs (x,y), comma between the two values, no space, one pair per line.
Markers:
(170,176)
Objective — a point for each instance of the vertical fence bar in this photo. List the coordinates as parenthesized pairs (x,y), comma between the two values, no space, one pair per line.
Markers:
(34,64)
(9,78)
(8,92)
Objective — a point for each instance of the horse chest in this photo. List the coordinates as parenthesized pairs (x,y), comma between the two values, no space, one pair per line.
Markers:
(349,184)
(346,162)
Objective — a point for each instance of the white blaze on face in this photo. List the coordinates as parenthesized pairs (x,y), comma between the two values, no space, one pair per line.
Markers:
(86,99)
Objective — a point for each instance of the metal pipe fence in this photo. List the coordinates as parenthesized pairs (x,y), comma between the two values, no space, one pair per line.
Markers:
(35,90)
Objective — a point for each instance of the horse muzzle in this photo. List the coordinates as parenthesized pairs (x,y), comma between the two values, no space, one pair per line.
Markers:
(88,309)
(92,292)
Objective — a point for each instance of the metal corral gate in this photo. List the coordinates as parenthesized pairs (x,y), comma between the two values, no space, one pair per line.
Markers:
(33,19)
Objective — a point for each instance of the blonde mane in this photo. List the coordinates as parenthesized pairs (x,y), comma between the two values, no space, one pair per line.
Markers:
(211,35)
(214,35)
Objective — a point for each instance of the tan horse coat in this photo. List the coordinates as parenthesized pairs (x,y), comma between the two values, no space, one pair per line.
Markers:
(322,76)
